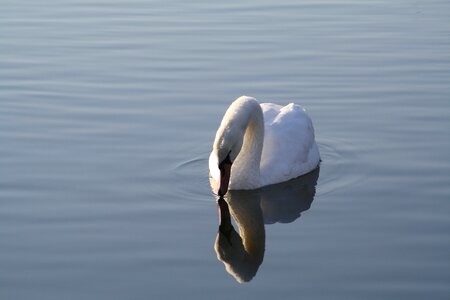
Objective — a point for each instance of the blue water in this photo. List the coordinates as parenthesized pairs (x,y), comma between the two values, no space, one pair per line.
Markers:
(108,110)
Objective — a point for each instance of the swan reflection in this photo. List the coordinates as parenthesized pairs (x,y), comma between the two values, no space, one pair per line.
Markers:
(242,251)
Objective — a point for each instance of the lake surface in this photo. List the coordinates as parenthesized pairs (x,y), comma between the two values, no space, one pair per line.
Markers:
(108,110)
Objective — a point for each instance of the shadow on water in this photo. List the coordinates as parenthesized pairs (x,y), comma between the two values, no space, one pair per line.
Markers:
(242,251)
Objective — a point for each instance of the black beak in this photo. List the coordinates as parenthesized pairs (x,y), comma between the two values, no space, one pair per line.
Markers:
(225,173)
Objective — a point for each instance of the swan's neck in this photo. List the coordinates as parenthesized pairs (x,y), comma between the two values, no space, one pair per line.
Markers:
(245,172)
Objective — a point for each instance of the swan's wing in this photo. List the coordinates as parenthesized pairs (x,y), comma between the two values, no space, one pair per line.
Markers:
(289,147)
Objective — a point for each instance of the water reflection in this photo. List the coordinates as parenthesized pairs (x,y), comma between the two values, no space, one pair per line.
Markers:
(243,252)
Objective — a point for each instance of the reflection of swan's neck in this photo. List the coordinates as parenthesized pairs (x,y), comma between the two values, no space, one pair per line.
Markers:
(245,172)
(251,229)
(243,254)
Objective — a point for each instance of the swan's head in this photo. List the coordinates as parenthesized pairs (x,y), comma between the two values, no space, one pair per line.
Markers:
(227,145)
(242,113)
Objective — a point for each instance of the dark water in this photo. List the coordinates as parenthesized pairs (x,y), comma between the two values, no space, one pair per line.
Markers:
(107,114)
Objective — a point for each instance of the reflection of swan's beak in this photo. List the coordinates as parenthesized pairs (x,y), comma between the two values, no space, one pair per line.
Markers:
(225,226)
(225,171)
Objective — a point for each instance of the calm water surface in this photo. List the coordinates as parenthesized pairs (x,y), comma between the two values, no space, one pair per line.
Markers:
(107,114)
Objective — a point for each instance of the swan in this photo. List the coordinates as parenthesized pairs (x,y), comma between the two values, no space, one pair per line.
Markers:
(261,144)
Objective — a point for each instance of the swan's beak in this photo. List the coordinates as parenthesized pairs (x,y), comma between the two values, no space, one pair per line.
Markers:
(225,172)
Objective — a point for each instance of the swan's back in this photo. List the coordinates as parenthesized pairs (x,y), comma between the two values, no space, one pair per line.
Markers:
(289,147)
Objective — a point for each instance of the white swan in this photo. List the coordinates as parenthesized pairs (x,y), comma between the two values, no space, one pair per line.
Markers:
(261,144)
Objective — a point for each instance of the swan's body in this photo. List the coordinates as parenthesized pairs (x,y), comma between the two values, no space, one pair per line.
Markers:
(263,143)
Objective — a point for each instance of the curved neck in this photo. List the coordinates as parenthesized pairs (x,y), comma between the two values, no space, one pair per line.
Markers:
(245,172)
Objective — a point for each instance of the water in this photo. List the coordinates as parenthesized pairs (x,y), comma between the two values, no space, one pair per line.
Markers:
(107,114)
